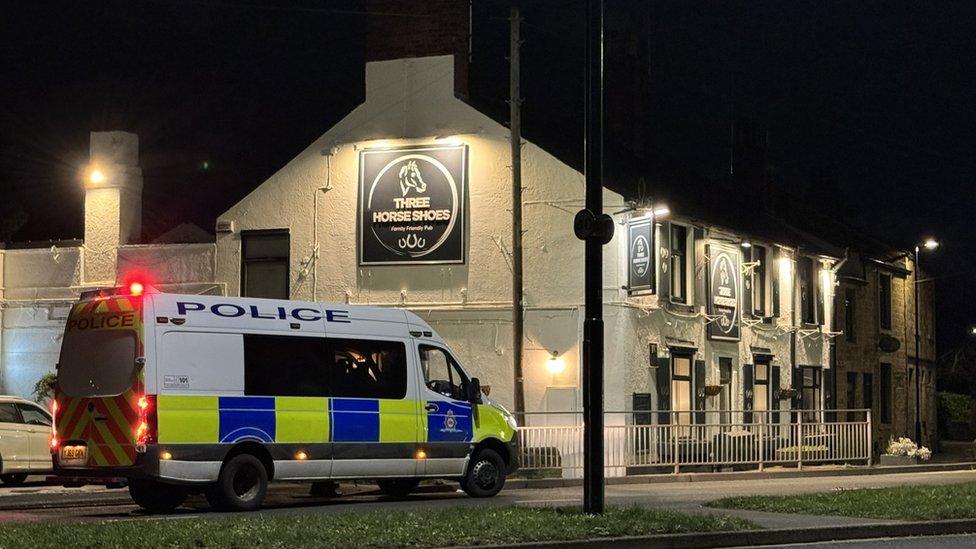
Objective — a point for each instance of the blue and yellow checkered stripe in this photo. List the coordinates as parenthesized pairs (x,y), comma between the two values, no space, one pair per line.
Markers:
(228,419)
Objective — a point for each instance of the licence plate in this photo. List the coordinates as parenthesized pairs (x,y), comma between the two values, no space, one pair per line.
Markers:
(74,455)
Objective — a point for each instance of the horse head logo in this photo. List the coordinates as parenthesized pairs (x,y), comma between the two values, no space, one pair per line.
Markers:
(410,178)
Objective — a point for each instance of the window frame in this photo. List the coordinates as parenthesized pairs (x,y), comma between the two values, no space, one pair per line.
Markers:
(815,387)
(807,279)
(679,253)
(31,406)
(689,379)
(884,396)
(330,364)
(245,261)
(850,315)
(451,361)
(885,287)
(760,280)
(19,417)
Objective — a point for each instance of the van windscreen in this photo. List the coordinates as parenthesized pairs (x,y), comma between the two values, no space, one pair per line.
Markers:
(97,363)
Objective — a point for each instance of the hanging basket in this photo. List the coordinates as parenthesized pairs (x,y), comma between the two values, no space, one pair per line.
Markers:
(712,390)
(787,394)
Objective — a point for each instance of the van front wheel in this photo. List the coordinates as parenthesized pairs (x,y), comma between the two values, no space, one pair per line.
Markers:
(156,497)
(485,476)
(241,486)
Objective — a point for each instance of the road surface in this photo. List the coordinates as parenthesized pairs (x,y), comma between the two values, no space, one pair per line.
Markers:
(37,502)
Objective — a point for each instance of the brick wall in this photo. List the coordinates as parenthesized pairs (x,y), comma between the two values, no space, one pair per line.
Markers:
(420,28)
(863,356)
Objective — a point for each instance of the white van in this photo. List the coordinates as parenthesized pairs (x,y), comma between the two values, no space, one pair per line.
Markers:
(222,394)
(24,431)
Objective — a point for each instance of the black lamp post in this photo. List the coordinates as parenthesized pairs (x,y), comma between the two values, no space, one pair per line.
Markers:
(929,244)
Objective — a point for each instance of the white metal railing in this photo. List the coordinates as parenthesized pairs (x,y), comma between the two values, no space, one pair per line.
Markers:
(643,441)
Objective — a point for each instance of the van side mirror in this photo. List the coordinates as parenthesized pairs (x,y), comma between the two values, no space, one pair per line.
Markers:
(474,391)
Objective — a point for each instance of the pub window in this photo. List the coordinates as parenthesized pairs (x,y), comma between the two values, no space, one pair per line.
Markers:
(851,395)
(760,390)
(725,380)
(365,368)
(810,397)
(679,263)
(808,289)
(285,366)
(884,301)
(264,263)
(681,387)
(850,314)
(758,280)
(885,393)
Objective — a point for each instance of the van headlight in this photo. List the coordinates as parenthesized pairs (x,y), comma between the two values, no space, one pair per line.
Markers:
(510,419)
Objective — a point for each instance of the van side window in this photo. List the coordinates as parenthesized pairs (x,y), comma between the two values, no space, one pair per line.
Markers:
(441,372)
(285,366)
(363,368)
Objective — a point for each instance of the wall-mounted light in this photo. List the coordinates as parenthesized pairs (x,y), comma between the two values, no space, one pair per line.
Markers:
(555,364)
(94,176)
(746,244)
(931,244)
(661,211)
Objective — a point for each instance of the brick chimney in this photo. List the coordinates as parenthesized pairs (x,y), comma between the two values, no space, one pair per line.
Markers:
(398,29)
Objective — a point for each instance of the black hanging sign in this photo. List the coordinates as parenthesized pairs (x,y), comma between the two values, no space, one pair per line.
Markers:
(412,205)
(723,292)
(640,256)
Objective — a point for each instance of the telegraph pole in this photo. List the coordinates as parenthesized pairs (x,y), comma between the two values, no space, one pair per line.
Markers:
(595,228)
(515,115)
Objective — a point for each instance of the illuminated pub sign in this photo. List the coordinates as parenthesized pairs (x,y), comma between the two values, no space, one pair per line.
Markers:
(640,259)
(723,292)
(412,203)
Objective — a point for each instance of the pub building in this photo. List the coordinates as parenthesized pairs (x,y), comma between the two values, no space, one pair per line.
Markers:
(406,202)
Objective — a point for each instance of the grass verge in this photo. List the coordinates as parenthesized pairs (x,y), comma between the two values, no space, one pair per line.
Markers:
(426,528)
(954,501)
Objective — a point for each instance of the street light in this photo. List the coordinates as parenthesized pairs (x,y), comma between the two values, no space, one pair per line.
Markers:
(929,244)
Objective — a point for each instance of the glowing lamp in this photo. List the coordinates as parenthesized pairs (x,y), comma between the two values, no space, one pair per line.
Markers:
(165,456)
(136,288)
(555,365)
(747,244)
(96,176)
(301,455)
(931,244)
(421,454)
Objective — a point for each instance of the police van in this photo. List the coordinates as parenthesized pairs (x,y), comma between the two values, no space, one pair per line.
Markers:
(183,394)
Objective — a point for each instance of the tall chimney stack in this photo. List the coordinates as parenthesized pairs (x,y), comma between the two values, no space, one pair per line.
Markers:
(113,202)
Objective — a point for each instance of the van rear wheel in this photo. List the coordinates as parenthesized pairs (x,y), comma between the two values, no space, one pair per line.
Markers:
(156,497)
(485,476)
(398,487)
(241,486)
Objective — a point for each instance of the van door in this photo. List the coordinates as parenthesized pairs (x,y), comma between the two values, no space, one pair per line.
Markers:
(37,425)
(373,413)
(14,440)
(449,424)
(100,383)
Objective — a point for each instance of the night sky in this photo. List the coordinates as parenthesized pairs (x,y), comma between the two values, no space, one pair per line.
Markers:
(878,94)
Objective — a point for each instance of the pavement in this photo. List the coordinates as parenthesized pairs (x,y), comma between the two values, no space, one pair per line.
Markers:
(38,502)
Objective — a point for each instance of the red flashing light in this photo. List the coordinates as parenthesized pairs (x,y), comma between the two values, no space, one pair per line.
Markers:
(55,443)
(136,288)
(146,426)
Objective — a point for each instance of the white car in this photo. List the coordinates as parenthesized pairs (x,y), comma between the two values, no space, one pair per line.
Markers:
(25,430)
